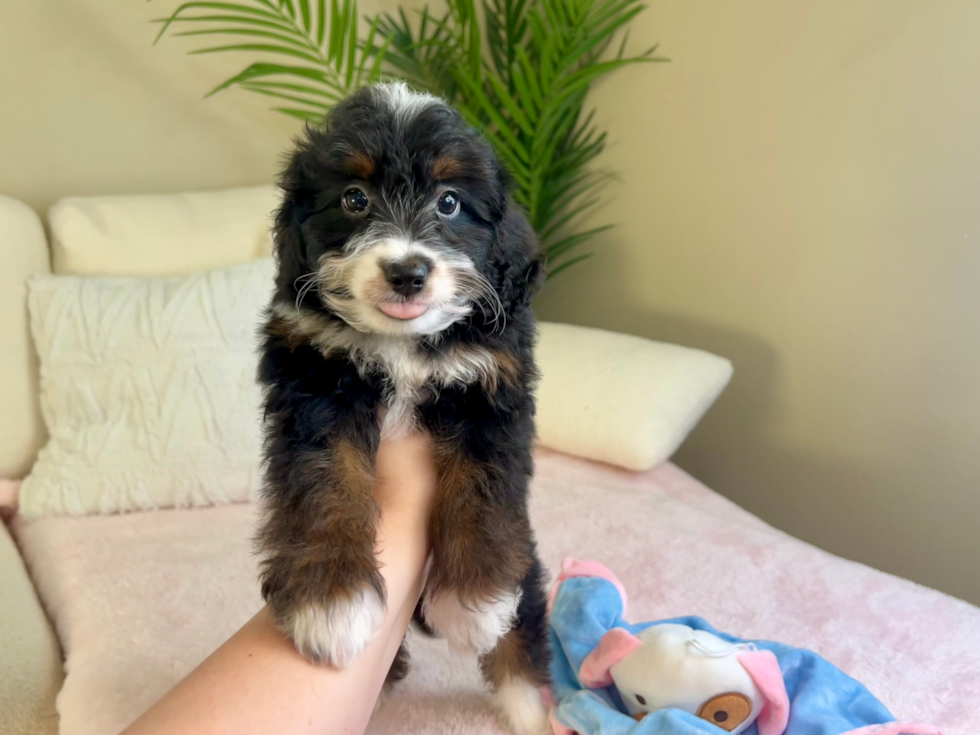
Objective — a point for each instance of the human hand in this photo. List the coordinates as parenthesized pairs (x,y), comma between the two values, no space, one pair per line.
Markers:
(257,682)
(405,488)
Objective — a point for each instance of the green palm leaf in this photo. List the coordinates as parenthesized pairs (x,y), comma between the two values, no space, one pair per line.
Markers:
(556,269)
(528,96)
(518,70)
(332,61)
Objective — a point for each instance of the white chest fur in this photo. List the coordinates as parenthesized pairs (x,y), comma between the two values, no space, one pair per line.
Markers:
(410,372)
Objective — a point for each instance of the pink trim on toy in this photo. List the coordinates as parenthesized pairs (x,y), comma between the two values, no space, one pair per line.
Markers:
(573,568)
(764,669)
(896,728)
(614,646)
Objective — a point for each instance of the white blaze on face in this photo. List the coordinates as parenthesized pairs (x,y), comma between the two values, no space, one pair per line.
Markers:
(405,102)
(361,272)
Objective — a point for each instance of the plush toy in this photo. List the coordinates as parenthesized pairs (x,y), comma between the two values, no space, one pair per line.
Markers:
(673,665)
(683,677)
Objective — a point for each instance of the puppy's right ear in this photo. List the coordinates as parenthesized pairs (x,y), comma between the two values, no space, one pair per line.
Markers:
(298,200)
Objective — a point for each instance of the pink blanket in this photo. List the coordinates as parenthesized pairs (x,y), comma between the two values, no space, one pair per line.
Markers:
(139,600)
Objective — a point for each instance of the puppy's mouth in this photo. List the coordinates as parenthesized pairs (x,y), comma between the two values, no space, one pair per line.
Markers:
(403,310)
(397,287)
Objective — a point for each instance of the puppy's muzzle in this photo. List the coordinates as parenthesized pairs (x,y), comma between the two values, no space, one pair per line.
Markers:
(408,277)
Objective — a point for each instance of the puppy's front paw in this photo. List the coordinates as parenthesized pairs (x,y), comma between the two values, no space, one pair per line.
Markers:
(337,630)
(472,627)
(520,703)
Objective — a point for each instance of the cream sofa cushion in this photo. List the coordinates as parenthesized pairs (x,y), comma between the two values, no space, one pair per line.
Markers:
(148,390)
(620,399)
(615,398)
(23,254)
(147,235)
(161,234)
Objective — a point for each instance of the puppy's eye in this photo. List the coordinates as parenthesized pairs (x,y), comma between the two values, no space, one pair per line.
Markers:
(355,201)
(640,699)
(448,204)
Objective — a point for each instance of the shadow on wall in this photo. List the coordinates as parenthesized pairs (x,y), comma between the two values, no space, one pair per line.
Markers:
(737,450)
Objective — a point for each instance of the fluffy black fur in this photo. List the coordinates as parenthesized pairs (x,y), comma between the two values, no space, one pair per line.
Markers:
(323,407)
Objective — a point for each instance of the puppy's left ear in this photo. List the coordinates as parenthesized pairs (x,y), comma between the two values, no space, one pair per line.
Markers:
(516,259)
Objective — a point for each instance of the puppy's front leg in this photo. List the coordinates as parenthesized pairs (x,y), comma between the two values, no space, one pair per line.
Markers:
(481,552)
(319,573)
(482,544)
(485,588)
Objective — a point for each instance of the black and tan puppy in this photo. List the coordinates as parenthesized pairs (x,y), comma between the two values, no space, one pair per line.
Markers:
(402,304)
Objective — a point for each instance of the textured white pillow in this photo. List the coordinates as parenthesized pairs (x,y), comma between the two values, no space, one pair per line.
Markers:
(621,399)
(149,394)
(148,390)
(161,234)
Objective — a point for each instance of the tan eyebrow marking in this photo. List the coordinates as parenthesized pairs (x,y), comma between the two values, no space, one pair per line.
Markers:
(360,165)
(447,168)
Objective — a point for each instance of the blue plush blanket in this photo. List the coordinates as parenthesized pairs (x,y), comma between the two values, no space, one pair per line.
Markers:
(823,700)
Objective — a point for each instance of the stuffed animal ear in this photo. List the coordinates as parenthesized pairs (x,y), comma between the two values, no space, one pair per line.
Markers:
(763,668)
(574,568)
(615,645)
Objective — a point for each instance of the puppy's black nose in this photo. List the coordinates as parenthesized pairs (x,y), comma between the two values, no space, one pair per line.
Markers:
(407,277)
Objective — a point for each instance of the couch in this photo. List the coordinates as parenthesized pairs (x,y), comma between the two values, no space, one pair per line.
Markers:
(102,613)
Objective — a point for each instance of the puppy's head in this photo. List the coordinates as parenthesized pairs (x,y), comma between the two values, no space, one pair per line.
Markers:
(396,220)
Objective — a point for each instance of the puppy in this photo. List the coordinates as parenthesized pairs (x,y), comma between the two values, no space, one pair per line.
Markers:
(405,274)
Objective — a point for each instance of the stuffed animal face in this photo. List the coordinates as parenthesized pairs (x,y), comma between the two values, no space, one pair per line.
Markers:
(689,669)
(672,665)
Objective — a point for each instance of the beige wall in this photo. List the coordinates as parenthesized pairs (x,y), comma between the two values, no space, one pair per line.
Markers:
(88,106)
(801,193)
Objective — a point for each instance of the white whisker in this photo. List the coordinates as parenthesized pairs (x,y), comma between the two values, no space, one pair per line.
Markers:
(309,281)
(480,290)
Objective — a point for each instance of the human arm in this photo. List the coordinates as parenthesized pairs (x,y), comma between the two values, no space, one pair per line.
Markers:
(258,683)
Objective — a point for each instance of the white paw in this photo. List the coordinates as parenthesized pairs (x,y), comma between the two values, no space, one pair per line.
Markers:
(337,632)
(520,702)
(476,627)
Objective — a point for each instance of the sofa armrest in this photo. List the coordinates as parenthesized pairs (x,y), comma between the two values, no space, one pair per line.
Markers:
(23,254)
(30,658)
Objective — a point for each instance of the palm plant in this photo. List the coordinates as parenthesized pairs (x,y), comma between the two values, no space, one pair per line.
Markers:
(518,70)
(316,57)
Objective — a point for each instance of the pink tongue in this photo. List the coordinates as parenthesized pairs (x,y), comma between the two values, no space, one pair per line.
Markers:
(403,310)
